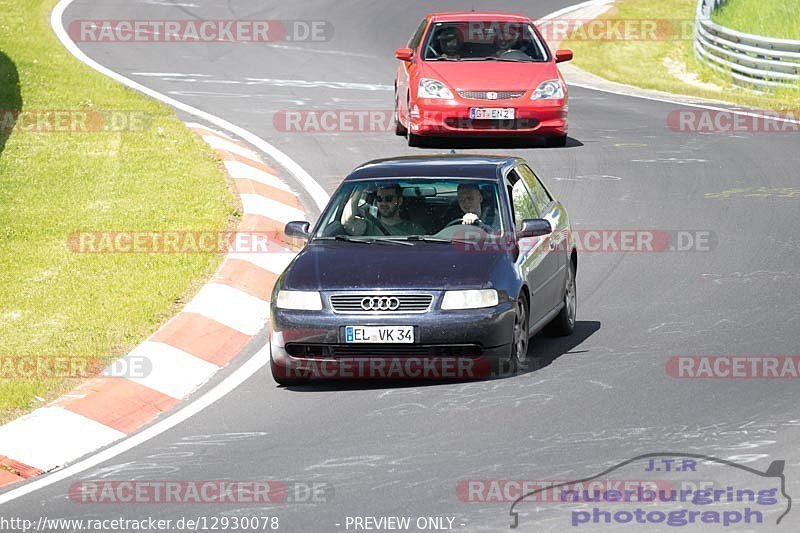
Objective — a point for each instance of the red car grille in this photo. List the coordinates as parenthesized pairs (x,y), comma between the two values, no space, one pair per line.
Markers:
(483,95)
(467,124)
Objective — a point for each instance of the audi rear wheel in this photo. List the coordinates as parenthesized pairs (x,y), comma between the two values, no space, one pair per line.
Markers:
(564,323)
(519,339)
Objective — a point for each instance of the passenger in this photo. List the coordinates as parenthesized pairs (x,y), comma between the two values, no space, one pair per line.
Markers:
(476,210)
(449,43)
(389,199)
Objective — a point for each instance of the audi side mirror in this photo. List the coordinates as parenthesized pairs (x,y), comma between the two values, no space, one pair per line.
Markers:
(534,227)
(297,228)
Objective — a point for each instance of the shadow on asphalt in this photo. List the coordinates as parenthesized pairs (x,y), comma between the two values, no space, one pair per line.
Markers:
(542,351)
(10,98)
(486,144)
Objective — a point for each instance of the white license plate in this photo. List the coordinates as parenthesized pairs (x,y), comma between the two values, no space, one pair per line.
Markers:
(382,334)
(491,113)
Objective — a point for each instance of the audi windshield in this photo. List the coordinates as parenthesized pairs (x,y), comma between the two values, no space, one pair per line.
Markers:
(413,209)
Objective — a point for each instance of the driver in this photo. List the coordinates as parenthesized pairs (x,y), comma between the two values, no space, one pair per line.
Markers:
(508,38)
(476,211)
(389,198)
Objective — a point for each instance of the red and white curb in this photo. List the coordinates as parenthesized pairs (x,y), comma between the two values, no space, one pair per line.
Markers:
(210,331)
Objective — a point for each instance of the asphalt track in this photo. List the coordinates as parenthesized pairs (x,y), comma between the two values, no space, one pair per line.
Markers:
(594,399)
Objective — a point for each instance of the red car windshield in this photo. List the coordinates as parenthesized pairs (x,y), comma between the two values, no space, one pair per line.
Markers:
(483,40)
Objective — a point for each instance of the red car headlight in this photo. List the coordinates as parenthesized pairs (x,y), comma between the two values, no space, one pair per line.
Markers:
(430,88)
(548,90)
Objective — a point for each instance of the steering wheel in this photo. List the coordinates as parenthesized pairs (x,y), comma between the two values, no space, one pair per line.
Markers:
(514,53)
(457,221)
(377,223)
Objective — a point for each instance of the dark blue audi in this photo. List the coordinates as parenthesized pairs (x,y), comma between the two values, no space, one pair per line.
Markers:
(425,267)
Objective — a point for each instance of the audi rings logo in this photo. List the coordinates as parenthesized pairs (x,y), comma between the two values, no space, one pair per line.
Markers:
(380,303)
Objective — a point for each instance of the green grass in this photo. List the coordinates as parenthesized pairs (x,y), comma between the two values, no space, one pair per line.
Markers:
(641,63)
(53,301)
(769,18)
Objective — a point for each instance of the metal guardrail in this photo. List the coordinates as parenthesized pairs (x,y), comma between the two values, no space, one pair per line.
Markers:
(750,59)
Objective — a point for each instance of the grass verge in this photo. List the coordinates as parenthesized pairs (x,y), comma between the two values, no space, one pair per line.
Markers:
(768,18)
(58,303)
(668,64)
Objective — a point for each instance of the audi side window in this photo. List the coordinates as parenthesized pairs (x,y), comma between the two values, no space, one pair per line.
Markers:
(524,207)
(540,196)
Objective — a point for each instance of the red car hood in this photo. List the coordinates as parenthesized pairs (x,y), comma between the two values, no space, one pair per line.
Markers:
(489,75)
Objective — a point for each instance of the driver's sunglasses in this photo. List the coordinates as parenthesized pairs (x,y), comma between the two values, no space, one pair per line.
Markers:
(389,198)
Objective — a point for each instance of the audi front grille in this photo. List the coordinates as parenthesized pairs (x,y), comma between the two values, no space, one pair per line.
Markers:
(318,351)
(381,303)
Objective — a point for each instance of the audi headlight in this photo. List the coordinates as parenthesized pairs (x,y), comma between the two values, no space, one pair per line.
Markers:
(548,90)
(300,300)
(429,88)
(470,299)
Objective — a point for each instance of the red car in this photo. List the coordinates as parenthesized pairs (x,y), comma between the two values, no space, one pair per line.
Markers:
(480,73)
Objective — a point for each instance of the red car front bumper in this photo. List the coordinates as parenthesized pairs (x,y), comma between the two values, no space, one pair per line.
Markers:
(429,117)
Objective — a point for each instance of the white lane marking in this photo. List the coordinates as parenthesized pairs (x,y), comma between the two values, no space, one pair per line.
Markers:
(223,144)
(52,436)
(319,51)
(764,116)
(591,177)
(216,94)
(277,82)
(314,189)
(564,10)
(169,75)
(240,170)
(275,262)
(320,84)
(169,4)
(250,367)
(255,204)
(669,160)
(172,371)
(230,306)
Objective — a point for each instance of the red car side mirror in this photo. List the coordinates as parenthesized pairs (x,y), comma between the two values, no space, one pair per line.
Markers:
(563,55)
(404,54)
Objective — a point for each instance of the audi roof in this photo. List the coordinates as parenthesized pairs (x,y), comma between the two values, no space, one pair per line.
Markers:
(450,166)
